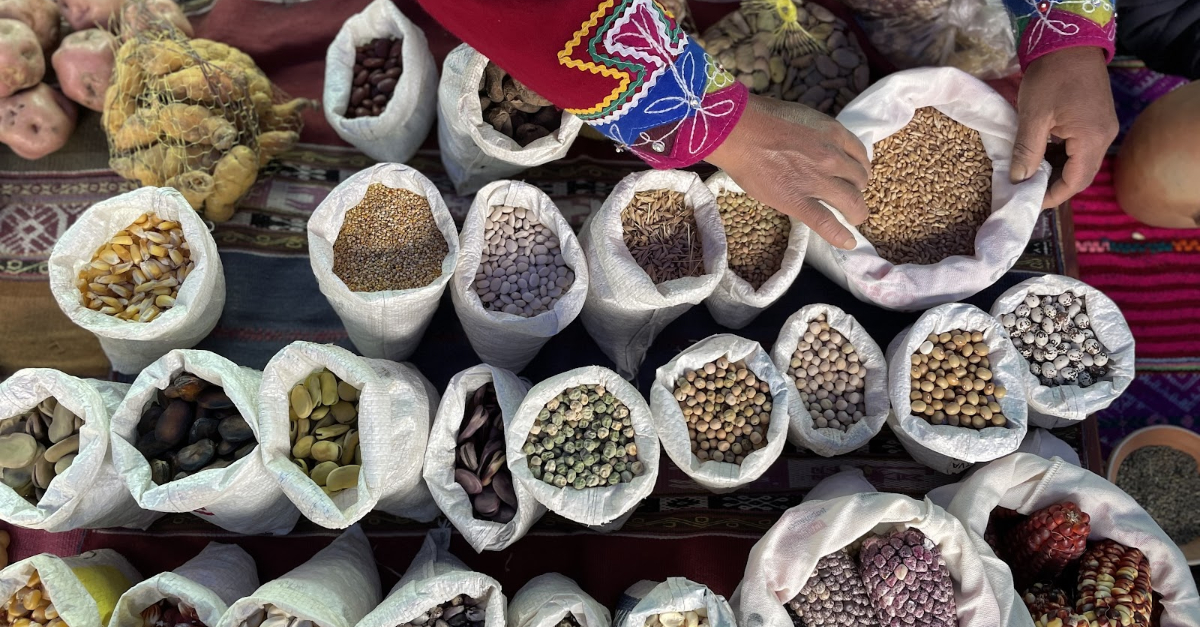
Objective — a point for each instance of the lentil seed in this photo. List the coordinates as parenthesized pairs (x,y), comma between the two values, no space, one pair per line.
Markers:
(757,237)
(662,236)
(389,241)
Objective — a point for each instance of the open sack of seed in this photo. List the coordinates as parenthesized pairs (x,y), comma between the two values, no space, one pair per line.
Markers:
(676,602)
(79,591)
(654,249)
(521,275)
(839,378)
(344,434)
(141,271)
(945,222)
(383,247)
(185,439)
(383,103)
(194,595)
(720,409)
(550,600)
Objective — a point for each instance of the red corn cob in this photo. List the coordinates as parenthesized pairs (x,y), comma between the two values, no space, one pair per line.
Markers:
(1040,547)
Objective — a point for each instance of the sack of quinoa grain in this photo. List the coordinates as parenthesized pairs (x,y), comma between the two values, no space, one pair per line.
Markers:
(1079,356)
(203,586)
(101,267)
(375,443)
(654,249)
(521,275)
(945,220)
(676,602)
(241,496)
(383,247)
(83,589)
(549,599)
(839,377)
(766,252)
(407,80)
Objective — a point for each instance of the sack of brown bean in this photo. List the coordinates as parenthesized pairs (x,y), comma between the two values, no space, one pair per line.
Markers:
(344,434)
(381,83)
(194,595)
(676,602)
(79,591)
(945,222)
(383,247)
(141,271)
(521,275)
(1079,356)
(553,600)
(839,379)
(185,439)
(654,249)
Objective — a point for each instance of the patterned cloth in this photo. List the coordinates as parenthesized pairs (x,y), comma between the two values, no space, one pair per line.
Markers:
(1044,26)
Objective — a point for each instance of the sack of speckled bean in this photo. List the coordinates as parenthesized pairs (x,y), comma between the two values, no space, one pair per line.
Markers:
(945,222)
(194,595)
(676,602)
(383,247)
(554,600)
(79,591)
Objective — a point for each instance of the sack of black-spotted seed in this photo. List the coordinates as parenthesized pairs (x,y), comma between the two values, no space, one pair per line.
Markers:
(676,602)
(203,588)
(82,590)
(549,599)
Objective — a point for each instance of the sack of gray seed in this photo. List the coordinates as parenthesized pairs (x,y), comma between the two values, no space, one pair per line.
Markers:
(549,599)
(242,497)
(503,334)
(396,404)
(209,583)
(83,589)
(395,134)
(672,603)
(131,346)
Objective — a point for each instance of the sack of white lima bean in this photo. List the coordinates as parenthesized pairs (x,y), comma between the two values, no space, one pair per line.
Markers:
(654,249)
(79,591)
(676,602)
(944,221)
(554,600)
(194,595)
(521,275)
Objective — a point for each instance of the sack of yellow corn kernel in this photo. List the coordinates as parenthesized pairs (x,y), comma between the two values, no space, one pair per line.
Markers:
(80,591)
(550,598)
(209,583)
(141,271)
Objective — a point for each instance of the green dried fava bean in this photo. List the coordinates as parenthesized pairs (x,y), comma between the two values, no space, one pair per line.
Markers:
(579,431)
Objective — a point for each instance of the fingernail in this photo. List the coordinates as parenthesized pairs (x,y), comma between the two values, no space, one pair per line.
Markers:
(1019,174)
(849,243)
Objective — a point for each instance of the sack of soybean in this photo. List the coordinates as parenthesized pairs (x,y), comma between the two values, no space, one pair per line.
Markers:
(242,497)
(696,451)
(442,456)
(386,279)
(880,112)
(86,248)
(208,584)
(391,414)
(549,599)
(395,134)
(676,602)
(625,309)
(88,491)
(83,589)
(520,286)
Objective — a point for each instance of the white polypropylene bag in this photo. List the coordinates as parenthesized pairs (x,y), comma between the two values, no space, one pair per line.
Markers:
(625,309)
(502,339)
(242,497)
(882,110)
(547,599)
(218,576)
(1053,407)
(672,427)
(84,589)
(473,152)
(395,407)
(1027,483)
(386,324)
(441,456)
(735,303)
(944,448)
(396,134)
(803,431)
(590,506)
(677,594)
(89,494)
(131,346)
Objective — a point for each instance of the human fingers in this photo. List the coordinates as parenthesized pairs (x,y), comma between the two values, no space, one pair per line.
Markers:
(1029,147)
(1085,154)
(844,165)
(822,221)
(857,150)
(844,196)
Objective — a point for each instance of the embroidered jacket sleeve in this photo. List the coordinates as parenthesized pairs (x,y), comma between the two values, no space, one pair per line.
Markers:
(624,66)
(1043,26)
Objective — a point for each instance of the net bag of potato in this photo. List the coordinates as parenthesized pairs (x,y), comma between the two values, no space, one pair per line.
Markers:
(676,602)
(200,590)
(549,599)
(491,127)
(945,222)
(141,271)
(185,439)
(521,275)
(355,86)
(654,249)
(79,591)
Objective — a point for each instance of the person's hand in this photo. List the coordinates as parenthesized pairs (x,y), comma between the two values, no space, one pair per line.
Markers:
(1065,94)
(789,157)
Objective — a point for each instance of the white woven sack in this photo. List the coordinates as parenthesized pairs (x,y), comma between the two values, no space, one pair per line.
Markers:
(625,310)
(735,303)
(395,134)
(1027,483)
(590,506)
(677,594)
(944,448)
(395,406)
(502,339)
(218,576)
(547,599)
(90,493)
(386,324)
(848,481)
(1053,407)
(335,588)
(441,456)
(802,431)
(84,589)
(882,110)
(242,497)
(672,427)
(131,346)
